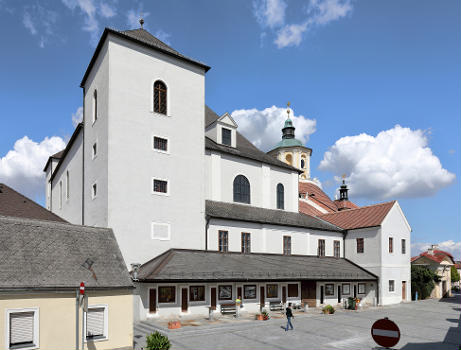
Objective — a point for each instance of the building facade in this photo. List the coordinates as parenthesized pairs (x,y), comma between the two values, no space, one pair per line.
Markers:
(169,175)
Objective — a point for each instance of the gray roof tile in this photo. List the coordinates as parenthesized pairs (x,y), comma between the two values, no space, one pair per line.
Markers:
(40,254)
(199,265)
(242,212)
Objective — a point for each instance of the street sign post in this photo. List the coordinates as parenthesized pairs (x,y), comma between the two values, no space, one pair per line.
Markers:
(385,333)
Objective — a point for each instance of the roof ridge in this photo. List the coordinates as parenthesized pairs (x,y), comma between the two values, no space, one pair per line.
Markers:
(365,207)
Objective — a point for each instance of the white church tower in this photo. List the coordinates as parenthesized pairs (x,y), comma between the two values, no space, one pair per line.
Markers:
(291,150)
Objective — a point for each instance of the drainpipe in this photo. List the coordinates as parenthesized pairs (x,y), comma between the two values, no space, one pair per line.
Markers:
(83,161)
(207,220)
(344,244)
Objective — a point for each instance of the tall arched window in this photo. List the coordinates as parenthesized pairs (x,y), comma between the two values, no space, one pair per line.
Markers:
(241,189)
(280,197)
(160,97)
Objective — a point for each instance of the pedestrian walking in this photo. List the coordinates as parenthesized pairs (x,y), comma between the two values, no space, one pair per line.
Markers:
(289,314)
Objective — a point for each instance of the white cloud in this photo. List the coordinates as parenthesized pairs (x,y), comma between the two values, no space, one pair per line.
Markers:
(450,246)
(106,10)
(270,13)
(290,35)
(163,36)
(133,16)
(22,167)
(395,163)
(77,117)
(40,22)
(263,128)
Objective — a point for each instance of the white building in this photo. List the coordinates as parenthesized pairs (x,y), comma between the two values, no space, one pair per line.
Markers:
(188,197)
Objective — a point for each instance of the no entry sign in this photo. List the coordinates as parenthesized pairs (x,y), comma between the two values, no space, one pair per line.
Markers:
(82,288)
(385,332)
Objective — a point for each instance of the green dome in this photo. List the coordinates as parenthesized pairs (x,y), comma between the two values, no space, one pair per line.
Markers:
(288,124)
(289,143)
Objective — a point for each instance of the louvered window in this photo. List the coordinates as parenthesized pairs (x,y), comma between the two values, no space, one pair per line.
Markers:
(21,329)
(286,245)
(95,323)
(321,248)
(160,97)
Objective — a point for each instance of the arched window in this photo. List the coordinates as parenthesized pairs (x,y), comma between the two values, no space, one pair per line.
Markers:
(241,189)
(160,97)
(289,159)
(303,163)
(280,197)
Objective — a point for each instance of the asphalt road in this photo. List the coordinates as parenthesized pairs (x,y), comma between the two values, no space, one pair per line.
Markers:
(424,325)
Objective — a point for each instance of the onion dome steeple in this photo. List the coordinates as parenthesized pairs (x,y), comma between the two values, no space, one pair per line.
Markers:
(343,196)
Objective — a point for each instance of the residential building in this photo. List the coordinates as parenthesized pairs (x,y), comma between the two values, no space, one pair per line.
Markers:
(179,185)
(44,260)
(439,262)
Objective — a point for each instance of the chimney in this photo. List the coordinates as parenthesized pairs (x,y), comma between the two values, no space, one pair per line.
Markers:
(135,270)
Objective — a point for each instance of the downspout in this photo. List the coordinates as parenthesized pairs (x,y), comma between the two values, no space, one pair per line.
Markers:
(51,186)
(207,219)
(83,161)
(344,243)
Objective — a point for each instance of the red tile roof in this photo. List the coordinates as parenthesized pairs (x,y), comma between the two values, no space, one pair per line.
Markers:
(316,194)
(342,204)
(308,209)
(368,216)
(458,265)
(13,203)
(436,255)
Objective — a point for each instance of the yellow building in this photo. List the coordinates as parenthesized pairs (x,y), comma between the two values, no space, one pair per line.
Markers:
(439,262)
(42,264)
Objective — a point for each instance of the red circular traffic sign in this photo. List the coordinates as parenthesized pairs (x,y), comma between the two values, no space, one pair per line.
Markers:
(82,288)
(385,332)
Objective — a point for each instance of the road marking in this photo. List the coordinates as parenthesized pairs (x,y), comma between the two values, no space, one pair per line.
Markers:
(386,333)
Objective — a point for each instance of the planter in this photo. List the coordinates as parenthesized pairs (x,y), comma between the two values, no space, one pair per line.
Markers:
(260,317)
(174,324)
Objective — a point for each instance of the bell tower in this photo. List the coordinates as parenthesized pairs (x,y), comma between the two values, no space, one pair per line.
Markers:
(291,150)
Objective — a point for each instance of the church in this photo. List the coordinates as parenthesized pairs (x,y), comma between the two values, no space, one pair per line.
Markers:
(202,216)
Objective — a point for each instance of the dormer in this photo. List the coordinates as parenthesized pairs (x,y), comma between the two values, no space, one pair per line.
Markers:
(223,131)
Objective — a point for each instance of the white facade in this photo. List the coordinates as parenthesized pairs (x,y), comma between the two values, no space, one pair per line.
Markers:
(377,259)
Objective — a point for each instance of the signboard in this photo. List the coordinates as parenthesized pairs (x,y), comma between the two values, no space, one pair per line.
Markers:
(82,288)
(385,333)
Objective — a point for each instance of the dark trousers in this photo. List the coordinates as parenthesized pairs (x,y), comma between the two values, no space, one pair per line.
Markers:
(288,323)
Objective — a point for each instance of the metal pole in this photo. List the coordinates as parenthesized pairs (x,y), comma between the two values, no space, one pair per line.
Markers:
(83,325)
(76,319)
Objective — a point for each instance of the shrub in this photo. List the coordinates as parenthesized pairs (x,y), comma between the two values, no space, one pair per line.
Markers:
(328,309)
(422,281)
(157,341)
(454,275)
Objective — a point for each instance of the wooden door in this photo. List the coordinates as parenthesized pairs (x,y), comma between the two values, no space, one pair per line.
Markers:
(308,293)
(153,300)
(284,294)
(404,290)
(262,295)
(184,299)
(322,294)
(355,291)
(339,294)
(239,293)
(213,298)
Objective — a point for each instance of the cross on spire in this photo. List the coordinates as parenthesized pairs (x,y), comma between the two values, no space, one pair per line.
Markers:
(288,109)
(141,21)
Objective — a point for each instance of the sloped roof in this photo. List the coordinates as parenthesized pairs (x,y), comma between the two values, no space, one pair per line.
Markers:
(316,194)
(308,209)
(242,212)
(142,37)
(199,265)
(13,203)
(436,255)
(40,254)
(244,149)
(369,216)
(344,204)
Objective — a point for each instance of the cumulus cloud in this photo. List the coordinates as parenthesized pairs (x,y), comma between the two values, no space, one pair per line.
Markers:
(263,127)
(22,167)
(396,163)
(40,22)
(106,10)
(271,14)
(77,117)
(163,36)
(450,246)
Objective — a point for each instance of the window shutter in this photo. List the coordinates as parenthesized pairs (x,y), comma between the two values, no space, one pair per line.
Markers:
(21,328)
(95,322)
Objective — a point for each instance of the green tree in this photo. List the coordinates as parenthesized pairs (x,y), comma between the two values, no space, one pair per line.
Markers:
(454,274)
(422,281)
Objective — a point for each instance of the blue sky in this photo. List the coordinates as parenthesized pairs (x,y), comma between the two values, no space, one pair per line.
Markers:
(352,70)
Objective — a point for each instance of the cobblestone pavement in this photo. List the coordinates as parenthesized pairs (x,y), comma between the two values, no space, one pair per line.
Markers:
(424,325)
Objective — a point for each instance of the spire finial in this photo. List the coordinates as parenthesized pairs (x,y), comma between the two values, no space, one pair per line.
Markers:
(141,21)
(288,109)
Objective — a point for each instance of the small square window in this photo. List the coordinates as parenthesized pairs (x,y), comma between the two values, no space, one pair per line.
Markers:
(226,137)
(360,245)
(94,191)
(225,292)
(361,288)
(161,231)
(94,150)
(160,186)
(272,290)
(329,289)
(197,293)
(22,329)
(160,144)
(249,291)
(167,294)
(292,290)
